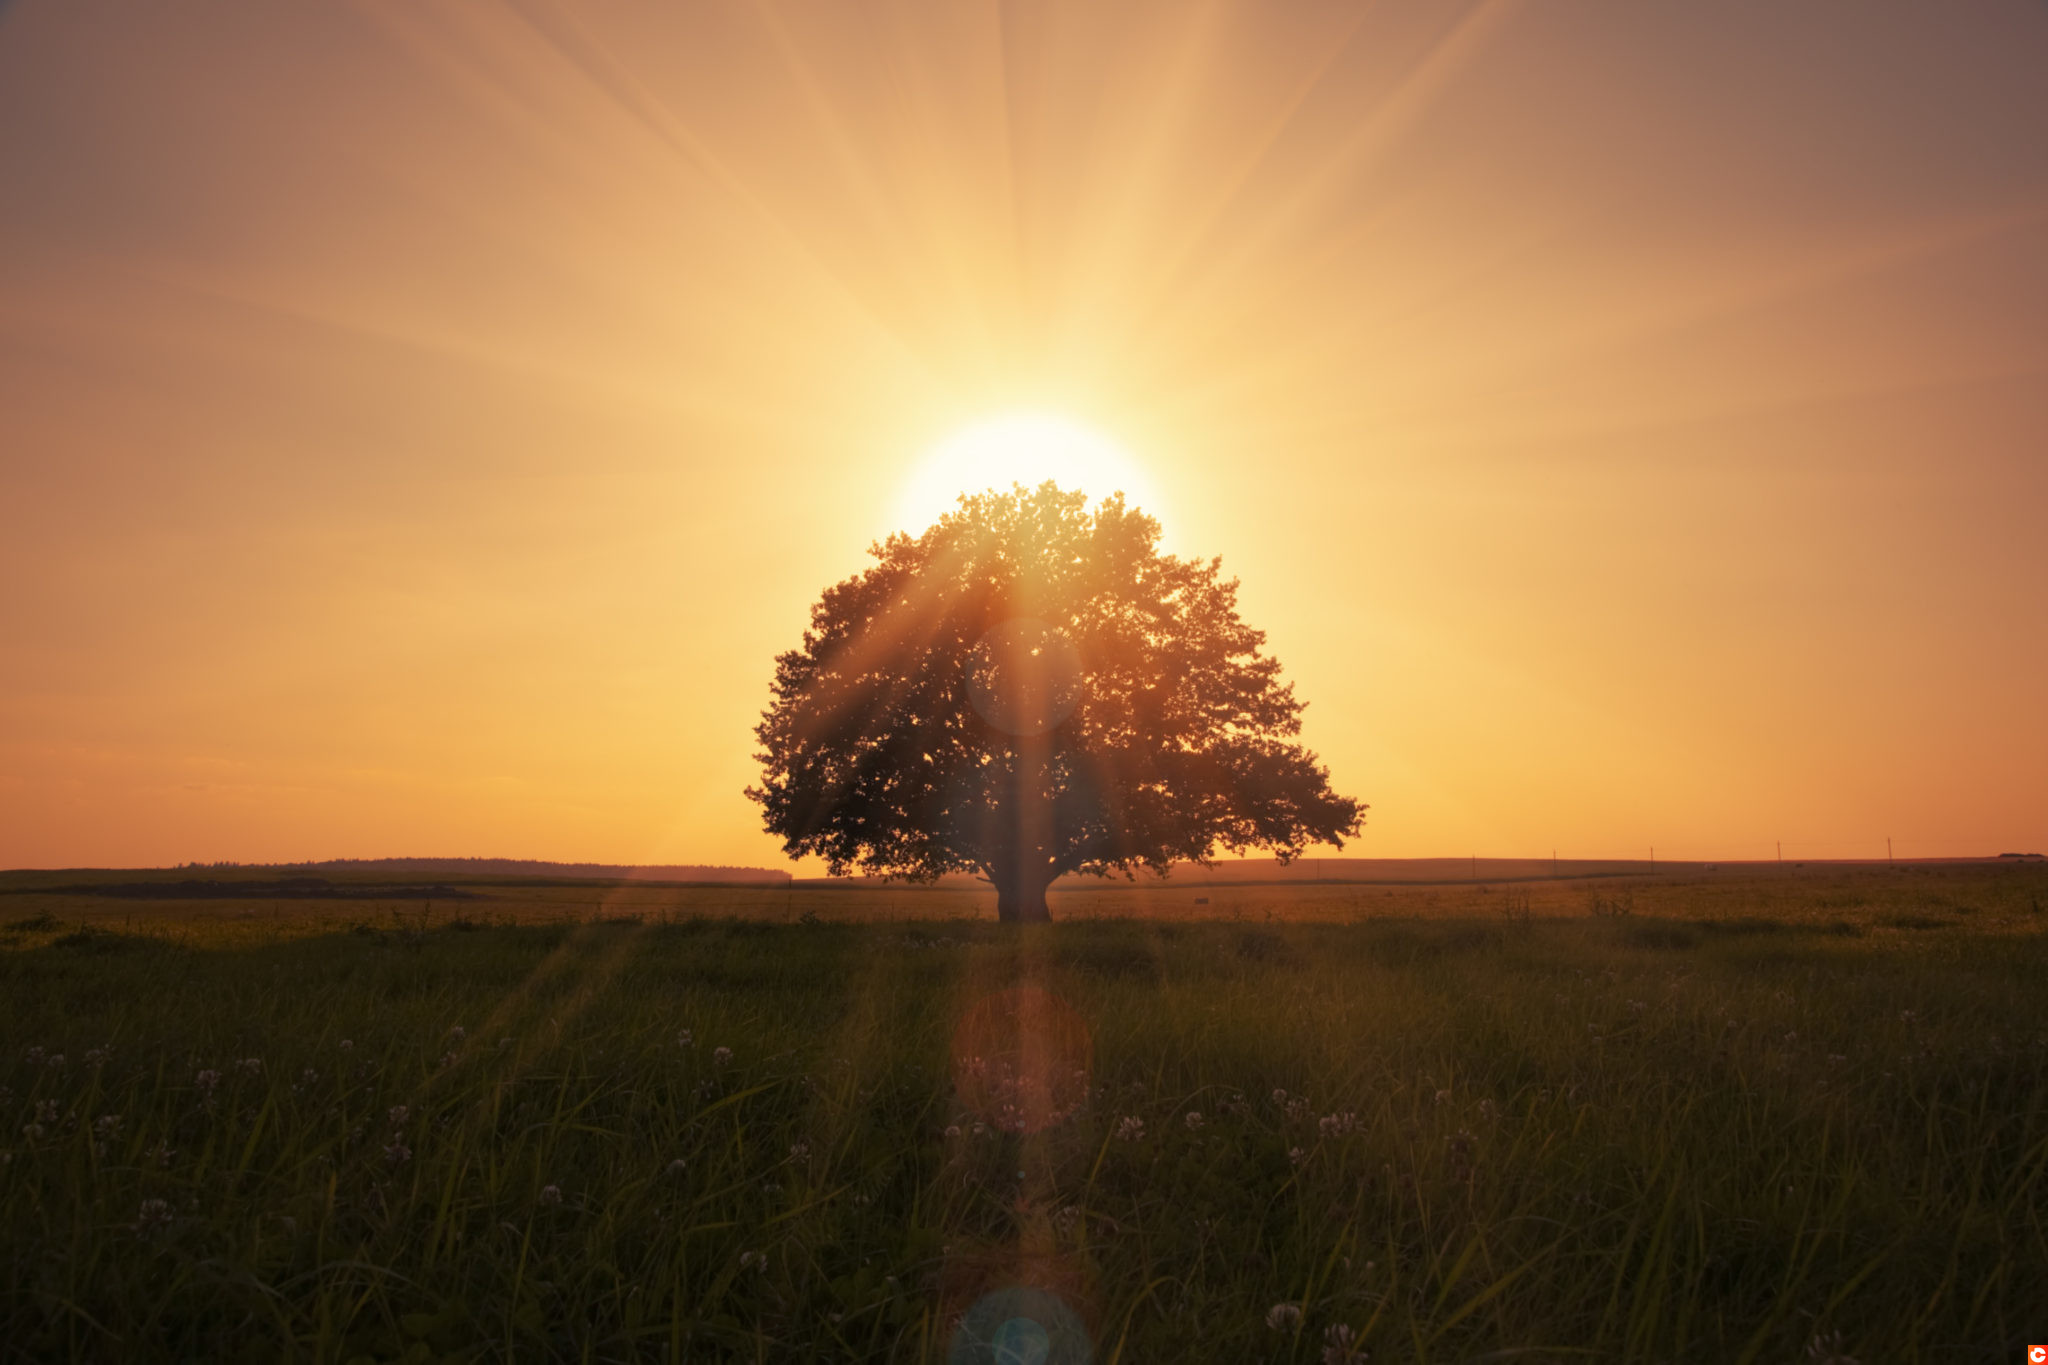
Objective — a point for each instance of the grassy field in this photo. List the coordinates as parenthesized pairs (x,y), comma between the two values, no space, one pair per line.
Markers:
(1704,1117)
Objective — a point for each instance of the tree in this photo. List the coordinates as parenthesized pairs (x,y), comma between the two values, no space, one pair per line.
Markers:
(1029,689)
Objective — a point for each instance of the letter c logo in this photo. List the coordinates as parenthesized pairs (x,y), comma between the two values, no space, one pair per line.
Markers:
(2037,1355)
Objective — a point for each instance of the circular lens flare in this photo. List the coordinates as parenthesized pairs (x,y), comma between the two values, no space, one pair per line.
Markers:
(1022,448)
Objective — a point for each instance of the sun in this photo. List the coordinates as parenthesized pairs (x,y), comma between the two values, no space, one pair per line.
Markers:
(1026,448)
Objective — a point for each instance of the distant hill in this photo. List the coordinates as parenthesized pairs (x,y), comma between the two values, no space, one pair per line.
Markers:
(528,867)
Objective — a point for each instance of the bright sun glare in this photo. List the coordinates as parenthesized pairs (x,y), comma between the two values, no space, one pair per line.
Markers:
(1026,448)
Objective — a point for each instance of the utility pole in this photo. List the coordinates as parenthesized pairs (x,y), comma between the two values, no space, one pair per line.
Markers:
(1781,850)
(1475,867)
(1653,857)
(1553,864)
(1887,848)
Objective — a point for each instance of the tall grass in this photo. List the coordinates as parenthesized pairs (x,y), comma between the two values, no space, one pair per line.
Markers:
(1610,1138)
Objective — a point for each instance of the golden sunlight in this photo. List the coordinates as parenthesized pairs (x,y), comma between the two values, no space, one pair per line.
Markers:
(1022,448)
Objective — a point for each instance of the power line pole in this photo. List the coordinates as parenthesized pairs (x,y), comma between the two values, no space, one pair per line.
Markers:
(1887,848)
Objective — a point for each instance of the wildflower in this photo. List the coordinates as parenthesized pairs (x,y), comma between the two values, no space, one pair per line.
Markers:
(458,1033)
(1067,1219)
(1337,1125)
(208,1081)
(56,1061)
(398,1114)
(397,1154)
(1283,1317)
(684,1039)
(46,1111)
(1486,1109)
(107,1127)
(1193,1119)
(162,1154)
(32,1131)
(1827,1350)
(250,1066)
(753,1260)
(34,1056)
(448,1059)
(154,1213)
(678,1166)
(952,1131)
(1130,1128)
(346,1044)
(721,1056)
(551,1195)
(799,1151)
(1905,1016)
(1339,1345)
(1463,1160)
(97,1056)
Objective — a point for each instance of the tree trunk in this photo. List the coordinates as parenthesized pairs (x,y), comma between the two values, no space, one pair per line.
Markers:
(1020,899)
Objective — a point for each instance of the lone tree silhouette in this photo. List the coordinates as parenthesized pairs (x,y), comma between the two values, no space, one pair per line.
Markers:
(1028,689)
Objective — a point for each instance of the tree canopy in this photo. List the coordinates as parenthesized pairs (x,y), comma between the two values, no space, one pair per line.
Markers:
(1030,688)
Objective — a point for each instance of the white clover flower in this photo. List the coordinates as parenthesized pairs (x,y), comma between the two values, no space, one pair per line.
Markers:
(799,1151)
(678,1166)
(721,1056)
(685,1039)
(1280,1097)
(34,1056)
(753,1260)
(1283,1317)
(1130,1128)
(1297,1155)
(46,1111)
(107,1127)
(1193,1119)
(154,1213)
(458,1033)
(1339,1346)
(398,1153)
(346,1044)
(97,1056)
(952,1131)
(551,1195)
(448,1059)
(208,1080)
(250,1066)
(398,1114)
(32,1131)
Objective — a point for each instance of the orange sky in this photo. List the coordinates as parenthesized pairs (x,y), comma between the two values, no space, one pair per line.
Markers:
(421,424)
